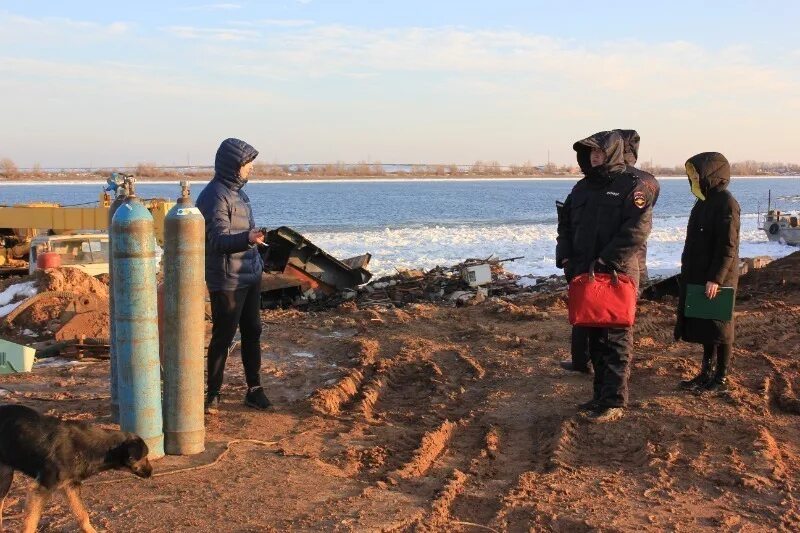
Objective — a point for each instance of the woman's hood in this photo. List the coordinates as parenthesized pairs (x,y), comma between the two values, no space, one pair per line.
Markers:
(713,171)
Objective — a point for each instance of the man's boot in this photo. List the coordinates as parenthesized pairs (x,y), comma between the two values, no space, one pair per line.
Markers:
(704,376)
(719,383)
(569,365)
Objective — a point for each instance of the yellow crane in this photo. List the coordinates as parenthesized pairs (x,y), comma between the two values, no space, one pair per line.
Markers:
(22,225)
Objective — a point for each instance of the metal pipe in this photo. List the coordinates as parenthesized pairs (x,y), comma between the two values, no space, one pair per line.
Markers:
(184,327)
(136,318)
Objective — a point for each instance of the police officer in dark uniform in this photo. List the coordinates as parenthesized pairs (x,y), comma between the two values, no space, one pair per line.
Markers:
(579,345)
(606,218)
(631,139)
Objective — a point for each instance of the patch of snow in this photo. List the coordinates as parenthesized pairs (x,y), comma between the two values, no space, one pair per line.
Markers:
(18,290)
(52,362)
(6,309)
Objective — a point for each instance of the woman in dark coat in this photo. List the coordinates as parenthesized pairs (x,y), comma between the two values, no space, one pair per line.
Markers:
(710,258)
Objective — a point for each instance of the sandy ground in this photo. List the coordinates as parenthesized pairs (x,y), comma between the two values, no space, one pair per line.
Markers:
(435,418)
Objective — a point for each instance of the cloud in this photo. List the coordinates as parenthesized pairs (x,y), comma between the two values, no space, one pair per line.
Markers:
(283,23)
(669,70)
(212,7)
(13,26)
(214,34)
(449,93)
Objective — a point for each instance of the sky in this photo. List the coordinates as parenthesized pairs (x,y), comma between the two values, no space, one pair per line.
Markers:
(311,81)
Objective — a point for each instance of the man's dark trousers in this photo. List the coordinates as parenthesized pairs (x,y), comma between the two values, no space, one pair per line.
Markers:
(580,348)
(230,309)
(610,349)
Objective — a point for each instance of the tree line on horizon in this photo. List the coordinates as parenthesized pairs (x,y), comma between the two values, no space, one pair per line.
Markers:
(10,171)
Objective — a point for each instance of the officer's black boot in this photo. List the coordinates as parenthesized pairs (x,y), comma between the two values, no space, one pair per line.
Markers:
(719,383)
(704,376)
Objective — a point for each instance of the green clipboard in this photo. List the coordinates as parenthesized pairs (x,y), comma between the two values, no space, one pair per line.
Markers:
(699,306)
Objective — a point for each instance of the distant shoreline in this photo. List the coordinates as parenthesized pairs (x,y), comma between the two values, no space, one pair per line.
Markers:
(340,179)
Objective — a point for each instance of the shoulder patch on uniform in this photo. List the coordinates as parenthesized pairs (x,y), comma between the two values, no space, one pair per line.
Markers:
(639,199)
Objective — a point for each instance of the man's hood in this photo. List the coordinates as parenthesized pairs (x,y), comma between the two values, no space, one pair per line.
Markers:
(609,142)
(713,170)
(631,139)
(232,154)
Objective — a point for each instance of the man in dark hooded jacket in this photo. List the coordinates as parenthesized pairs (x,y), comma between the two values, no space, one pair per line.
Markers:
(579,345)
(233,271)
(606,218)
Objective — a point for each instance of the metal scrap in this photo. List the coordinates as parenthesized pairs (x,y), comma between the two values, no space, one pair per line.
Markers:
(297,271)
(444,284)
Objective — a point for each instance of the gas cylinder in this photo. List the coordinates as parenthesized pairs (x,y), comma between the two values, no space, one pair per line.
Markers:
(136,318)
(183,327)
(122,192)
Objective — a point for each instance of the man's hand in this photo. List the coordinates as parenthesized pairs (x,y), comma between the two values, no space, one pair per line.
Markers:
(711,290)
(256,236)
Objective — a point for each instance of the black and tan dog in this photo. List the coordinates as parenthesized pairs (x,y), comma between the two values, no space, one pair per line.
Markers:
(60,454)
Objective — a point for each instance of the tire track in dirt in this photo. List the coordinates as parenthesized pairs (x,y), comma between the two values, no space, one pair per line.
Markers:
(403,408)
(421,398)
(431,447)
(444,509)
(567,445)
(331,400)
(523,434)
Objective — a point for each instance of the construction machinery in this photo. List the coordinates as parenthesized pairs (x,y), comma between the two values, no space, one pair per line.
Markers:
(296,269)
(78,234)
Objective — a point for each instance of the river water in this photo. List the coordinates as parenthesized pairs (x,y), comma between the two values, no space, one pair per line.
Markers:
(424,223)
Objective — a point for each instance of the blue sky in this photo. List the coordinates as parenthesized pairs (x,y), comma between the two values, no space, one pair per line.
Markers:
(106,83)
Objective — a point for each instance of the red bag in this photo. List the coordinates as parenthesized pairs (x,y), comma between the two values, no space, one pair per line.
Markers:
(602,300)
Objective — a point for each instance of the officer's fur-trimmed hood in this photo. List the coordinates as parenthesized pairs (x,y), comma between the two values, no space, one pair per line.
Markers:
(610,142)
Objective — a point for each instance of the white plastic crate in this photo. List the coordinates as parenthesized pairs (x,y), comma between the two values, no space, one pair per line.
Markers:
(15,358)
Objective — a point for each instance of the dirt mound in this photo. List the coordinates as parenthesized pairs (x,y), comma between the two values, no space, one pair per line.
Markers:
(68,299)
(70,280)
(780,277)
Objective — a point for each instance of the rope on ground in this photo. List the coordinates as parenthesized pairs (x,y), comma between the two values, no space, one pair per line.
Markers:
(460,523)
(57,397)
(216,461)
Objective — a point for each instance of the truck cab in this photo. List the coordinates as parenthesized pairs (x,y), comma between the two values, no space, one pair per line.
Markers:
(86,251)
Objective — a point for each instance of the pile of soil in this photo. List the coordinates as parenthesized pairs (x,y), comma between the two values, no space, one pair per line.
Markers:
(780,278)
(71,280)
(46,316)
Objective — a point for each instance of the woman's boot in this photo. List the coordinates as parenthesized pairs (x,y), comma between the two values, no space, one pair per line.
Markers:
(719,383)
(704,376)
